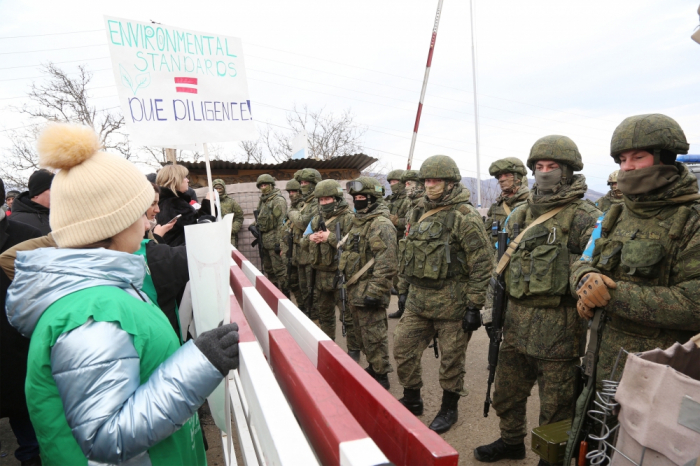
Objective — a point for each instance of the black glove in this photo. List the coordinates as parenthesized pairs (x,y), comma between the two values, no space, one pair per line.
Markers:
(489,329)
(220,346)
(372,303)
(471,320)
(277,249)
(402,302)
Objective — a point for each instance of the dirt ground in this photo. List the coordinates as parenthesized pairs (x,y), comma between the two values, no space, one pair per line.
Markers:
(471,430)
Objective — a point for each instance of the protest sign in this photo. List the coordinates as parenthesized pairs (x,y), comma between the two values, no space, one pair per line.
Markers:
(178,86)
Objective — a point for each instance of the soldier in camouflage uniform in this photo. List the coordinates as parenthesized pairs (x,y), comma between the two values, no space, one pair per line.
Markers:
(293,189)
(369,264)
(614,196)
(323,256)
(512,179)
(272,210)
(230,206)
(543,335)
(445,263)
(645,268)
(398,201)
(307,178)
(415,189)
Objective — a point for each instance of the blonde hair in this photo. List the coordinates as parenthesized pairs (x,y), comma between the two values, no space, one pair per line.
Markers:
(171,177)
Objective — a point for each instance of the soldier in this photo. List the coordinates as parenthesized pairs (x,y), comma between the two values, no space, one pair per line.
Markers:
(272,210)
(614,196)
(293,189)
(512,179)
(230,206)
(445,263)
(645,269)
(398,201)
(369,264)
(307,178)
(415,189)
(323,256)
(542,332)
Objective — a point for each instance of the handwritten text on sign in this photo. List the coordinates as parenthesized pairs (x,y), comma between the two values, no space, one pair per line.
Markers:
(177,86)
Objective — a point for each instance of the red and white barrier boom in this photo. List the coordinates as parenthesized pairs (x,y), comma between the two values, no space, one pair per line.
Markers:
(299,352)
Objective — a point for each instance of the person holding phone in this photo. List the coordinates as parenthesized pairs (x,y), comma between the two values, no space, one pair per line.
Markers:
(174,201)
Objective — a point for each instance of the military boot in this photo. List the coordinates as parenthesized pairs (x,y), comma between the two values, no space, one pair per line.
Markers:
(447,415)
(499,450)
(355,355)
(383,379)
(412,400)
(396,315)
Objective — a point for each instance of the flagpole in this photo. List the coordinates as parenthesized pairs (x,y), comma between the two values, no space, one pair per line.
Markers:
(476,108)
(425,84)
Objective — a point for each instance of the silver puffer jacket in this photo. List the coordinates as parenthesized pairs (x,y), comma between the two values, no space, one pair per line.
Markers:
(113,417)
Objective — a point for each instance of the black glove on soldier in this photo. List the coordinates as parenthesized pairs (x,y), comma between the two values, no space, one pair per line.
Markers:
(471,320)
(372,303)
(220,346)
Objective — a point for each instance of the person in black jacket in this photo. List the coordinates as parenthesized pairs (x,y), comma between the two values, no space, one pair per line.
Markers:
(14,349)
(32,207)
(175,201)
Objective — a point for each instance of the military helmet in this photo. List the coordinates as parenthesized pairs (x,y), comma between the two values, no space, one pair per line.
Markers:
(410,175)
(648,132)
(308,174)
(328,188)
(292,185)
(561,149)
(365,185)
(265,178)
(218,181)
(612,178)
(439,167)
(395,175)
(508,165)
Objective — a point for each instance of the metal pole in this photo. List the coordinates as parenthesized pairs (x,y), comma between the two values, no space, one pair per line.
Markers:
(476,108)
(425,83)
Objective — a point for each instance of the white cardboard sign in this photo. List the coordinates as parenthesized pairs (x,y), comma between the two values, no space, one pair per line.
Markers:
(178,86)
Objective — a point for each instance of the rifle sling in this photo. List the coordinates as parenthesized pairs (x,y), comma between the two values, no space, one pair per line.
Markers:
(506,207)
(503,262)
(360,272)
(432,212)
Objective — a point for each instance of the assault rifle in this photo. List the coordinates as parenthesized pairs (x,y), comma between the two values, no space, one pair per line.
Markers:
(497,316)
(258,240)
(312,282)
(340,278)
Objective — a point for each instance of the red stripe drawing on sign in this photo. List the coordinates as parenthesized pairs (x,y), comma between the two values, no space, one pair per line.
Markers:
(191,81)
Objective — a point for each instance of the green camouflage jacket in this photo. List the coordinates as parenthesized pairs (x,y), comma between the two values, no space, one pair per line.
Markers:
(272,210)
(399,203)
(295,233)
(445,261)
(323,256)
(230,206)
(372,235)
(541,318)
(604,203)
(650,246)
(497,211)
(300,220)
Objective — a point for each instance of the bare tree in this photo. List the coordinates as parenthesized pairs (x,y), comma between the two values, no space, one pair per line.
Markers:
(328,135)
(60,98)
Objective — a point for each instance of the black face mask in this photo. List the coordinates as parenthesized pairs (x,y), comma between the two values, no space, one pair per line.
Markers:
(360,205)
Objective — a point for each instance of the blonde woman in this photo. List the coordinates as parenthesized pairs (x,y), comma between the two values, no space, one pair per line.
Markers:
(175,201)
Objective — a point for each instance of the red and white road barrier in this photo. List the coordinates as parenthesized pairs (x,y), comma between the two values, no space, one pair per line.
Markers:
(336,437)
(268,432)
(398,433)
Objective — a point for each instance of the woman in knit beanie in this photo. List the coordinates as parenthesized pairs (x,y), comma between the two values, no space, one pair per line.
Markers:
(107,379)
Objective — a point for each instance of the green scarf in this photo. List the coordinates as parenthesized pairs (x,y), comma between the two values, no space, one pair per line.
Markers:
(542,203)
(651,204)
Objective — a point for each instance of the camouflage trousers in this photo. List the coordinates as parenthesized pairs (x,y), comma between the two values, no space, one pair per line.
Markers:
(412,336)
(371,333)
(326,297)
(234,240)
(275,267)
(304,273)
(516,374)
(293,281)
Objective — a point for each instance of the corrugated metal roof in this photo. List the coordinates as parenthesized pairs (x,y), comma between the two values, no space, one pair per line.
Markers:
(356,161)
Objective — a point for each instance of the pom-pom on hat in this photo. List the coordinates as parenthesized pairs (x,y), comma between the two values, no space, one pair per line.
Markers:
(95,195)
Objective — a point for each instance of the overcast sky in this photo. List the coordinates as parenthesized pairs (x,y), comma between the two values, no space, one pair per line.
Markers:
(544,67)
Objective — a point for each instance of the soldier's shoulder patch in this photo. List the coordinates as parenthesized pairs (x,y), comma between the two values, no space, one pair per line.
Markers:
(376,243)
(465,209)
(277,211)
(474,240)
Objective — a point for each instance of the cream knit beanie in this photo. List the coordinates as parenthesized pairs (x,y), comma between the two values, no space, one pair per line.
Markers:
(94,195)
